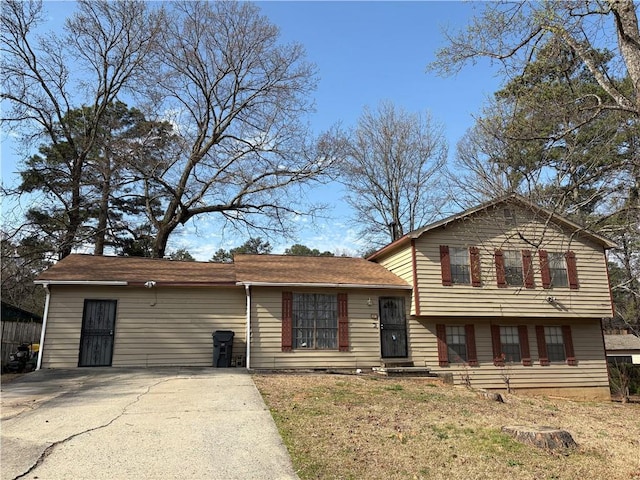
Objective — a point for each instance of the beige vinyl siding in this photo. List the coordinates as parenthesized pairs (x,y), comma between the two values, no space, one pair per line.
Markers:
(401,264)
(591,370)
(487,232)
(172,328)
(364,334)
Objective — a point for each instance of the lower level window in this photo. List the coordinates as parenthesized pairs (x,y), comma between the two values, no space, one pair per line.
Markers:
(510,344)
(555,344)
(315,321)
(457,343)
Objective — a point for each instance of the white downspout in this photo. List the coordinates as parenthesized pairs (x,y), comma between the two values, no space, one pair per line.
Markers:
(248,291)
(44,325)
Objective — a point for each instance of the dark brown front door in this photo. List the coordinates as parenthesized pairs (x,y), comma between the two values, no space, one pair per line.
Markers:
(96,340)
(393,327)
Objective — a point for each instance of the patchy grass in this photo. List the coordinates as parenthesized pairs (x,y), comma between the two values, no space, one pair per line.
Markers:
(363,427)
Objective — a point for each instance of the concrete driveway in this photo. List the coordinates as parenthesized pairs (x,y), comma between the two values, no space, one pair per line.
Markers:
(156,423)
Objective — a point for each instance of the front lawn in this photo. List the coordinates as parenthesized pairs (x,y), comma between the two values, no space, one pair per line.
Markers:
(367,427)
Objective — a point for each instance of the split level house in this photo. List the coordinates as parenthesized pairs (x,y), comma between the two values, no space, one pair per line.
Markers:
(506,290)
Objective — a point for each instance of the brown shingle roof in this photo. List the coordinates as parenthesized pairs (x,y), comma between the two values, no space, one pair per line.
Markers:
(288,269)
(135,270)
(255,269)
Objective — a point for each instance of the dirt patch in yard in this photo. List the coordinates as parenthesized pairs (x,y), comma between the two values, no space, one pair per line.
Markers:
(357,427)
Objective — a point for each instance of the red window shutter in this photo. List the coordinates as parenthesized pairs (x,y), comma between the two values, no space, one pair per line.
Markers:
(343,323)
(498,359)
(542,346)
(441,335)
(445,265)
(544,269)
(572,270)
(287,321)
(568,345)
(527,268)
(500,276)
(474,256)
(525,353)
(472,355)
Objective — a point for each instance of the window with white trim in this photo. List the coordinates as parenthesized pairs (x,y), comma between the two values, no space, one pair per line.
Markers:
(510,344)
(558,270)
(460,266)
(457,343)
(513,268)
(555,344)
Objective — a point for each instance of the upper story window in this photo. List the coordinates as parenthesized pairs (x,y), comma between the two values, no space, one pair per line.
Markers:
(460,266)
(558,270)
(513,268)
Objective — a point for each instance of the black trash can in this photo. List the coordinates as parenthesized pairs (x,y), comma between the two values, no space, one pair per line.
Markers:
(222,348)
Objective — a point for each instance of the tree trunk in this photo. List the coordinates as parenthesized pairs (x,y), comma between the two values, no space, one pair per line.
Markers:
(629,42)
(103,211)
(73,214)
(160,243)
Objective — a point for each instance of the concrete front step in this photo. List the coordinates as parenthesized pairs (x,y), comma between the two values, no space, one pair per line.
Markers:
(404,372)
(392,363)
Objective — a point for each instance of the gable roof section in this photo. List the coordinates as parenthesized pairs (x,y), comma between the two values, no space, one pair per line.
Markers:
(512,199)
(288,270)
(99,270)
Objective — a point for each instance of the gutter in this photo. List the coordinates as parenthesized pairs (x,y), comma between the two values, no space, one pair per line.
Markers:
(326,285)
(80,282)
(247,289)
(44,325)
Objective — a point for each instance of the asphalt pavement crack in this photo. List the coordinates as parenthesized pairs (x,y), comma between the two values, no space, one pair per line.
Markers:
(47,451)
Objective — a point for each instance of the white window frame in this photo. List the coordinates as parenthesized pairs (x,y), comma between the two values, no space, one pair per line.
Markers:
(558,272)
(460,262)
(513,270)
(510,343)
(456,343)
(556,352)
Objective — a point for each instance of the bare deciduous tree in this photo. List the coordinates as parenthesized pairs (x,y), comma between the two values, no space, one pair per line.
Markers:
(239,97)
(392,166)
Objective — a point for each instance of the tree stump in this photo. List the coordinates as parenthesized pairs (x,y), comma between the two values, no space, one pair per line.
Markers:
(496,397)
(542,437)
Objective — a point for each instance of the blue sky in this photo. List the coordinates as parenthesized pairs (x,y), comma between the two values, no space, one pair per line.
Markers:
(365,52)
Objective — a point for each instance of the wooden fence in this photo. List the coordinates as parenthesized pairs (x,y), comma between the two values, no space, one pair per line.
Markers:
(15,333)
